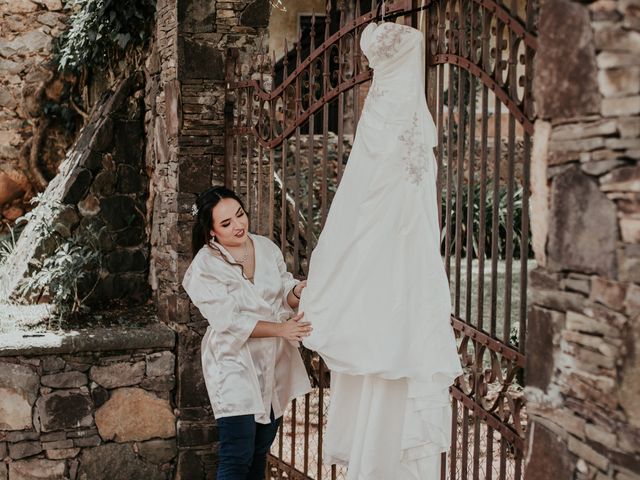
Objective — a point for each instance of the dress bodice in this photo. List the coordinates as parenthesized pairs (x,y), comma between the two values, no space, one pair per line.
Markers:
(395,53)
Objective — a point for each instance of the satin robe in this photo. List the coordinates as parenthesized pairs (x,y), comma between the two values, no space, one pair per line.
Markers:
(246,375)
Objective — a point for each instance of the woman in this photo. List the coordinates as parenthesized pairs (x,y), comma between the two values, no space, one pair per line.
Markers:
(251,366)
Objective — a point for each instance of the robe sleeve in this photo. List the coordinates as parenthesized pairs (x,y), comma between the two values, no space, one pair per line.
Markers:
(288,282)
(219,307)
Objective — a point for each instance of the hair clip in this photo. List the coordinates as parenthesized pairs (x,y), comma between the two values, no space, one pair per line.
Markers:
(194,210)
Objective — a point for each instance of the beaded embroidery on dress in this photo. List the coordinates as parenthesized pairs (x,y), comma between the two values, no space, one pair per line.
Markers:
(377,295)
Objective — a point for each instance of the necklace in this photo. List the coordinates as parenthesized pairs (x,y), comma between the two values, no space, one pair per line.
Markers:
(245,256)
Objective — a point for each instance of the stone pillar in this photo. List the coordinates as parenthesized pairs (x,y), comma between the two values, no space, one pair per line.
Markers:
(583,360)
(192,40)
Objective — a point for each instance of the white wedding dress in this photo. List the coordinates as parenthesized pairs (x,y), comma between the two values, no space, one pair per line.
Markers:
(378,296)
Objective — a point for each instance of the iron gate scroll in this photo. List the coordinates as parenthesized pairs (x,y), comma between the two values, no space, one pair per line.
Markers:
(286,147)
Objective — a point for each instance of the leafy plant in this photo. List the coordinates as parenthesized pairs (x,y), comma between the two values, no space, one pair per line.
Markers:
(68,276)
(63,276)
(7,245)
(100,29)
(500,204)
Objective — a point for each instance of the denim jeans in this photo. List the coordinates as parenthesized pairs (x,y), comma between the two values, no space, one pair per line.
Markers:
(243,447)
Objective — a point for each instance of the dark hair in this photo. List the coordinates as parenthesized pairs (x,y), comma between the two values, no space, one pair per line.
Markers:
(205,203)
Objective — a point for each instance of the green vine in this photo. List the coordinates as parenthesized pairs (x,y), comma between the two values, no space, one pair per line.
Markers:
(101,30)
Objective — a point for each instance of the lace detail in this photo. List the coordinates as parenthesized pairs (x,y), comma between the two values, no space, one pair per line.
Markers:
(416,152)
(375,92)
(389,39)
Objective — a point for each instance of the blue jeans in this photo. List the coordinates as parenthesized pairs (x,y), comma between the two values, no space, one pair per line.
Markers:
(244,445)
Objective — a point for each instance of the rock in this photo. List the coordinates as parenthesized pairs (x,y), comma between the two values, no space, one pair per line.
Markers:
(77,186)
(9,189)
(59,454)
(91,441)
(601,167)
(158,451)
(608,292)
(584,451)
(37,469)
(161,363)
(23,6)
(541,326)
(614,82)
(24,449)
(622,179)
(7,99)
(148,416)
(52,364)
(617,60)
(52,5)
(21,436)
(118,375)
(120,212)
(18,389)
(566,52)
(89,206)
(12,67)
(613,107)
(65,409)
(115,462)
(630,230)
(549,456)
(613,37)
(164,383)
(105,183)
(578,206)
(65,380)
(51,19)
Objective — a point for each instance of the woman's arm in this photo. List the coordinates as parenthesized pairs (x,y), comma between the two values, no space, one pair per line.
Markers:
(293,298)
(293,329)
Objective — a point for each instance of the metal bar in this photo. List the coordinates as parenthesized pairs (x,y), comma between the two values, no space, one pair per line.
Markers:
(459,187)
(454,440)
(296,210)
(524,241)
(509,247)
(272,194)
(494,219)
(305,463)
(292,473)
(447,248)
(470,196)
(465,443)
(321,368)
(294,406)
(283,200)
(489,464)
(440,150)
(481,337)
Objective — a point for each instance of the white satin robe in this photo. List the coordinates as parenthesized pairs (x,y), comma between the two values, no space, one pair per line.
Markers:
(246,375)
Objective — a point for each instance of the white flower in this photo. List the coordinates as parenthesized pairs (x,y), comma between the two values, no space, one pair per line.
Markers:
(194,210)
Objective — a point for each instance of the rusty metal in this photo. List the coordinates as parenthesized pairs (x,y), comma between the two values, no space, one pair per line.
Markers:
(285,152)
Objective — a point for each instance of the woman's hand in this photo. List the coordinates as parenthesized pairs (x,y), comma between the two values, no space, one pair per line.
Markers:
(297,290)
(294,329)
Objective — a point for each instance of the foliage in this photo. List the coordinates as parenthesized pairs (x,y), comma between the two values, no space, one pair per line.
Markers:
(69,275)
(100,29)
(7,245)
(500,203)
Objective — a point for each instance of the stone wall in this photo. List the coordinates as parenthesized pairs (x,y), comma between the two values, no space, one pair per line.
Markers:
(583,350)
(102,187)
(27,83)
(94,407)
(186,129)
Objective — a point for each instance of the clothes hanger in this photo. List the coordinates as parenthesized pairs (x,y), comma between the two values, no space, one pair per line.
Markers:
(382,8)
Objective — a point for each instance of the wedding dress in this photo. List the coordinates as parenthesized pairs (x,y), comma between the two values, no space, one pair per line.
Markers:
(378,296)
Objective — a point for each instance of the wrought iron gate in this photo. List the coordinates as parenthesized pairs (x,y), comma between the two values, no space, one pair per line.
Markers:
(479,59)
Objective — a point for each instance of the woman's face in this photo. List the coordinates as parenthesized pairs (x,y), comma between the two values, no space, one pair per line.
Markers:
(230,223)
